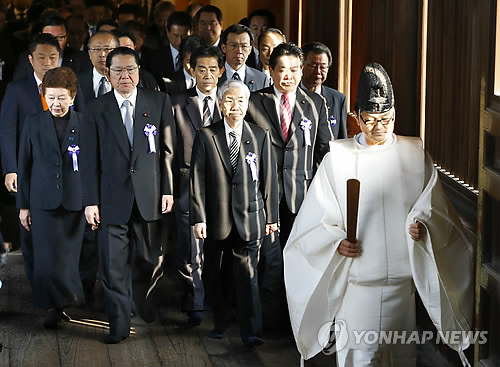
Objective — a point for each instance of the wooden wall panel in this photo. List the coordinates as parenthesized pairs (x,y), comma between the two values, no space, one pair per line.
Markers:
(453,84)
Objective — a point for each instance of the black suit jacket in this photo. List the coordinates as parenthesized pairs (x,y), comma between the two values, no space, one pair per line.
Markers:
(116,174)
(254,79)
(296,161)
(188,121)
(159,63)
(337,111)
(77,60)
(46,178)
(221,198)
(21,100)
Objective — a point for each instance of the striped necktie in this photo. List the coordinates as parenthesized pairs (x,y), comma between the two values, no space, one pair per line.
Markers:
(234,149)
(207,119)
(286,115)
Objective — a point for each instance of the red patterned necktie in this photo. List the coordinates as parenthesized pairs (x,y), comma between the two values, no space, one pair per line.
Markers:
(286,115)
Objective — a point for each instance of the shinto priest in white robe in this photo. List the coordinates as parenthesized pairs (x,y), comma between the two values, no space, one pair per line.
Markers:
(375,291)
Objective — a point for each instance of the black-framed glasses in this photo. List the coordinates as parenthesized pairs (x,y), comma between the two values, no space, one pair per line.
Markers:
(372,122)
(234,46)
(129,70)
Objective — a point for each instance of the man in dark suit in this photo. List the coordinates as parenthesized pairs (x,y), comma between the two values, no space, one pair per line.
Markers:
(95,83)
(268,40)
(165,62)
(259,20)
(208,25)
(297,121)
(184,78)
(236,43)
(127,152)
(23,98)
(234,205)
(317,61)
(191,112)
(74,59)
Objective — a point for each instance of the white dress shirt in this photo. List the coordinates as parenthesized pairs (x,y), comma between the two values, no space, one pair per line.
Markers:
(96,81)
(277,101)
(211,103)
(238,130)
(132,99)
(230,71)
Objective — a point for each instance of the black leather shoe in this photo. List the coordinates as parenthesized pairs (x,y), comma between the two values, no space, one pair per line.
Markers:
(53,318)
(195,318)
(216,334)
(113,339)
(253,341)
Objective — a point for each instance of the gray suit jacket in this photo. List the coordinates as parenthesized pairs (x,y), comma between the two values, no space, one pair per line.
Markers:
(254,79)
(221,198)
(337,111)
(296,161)
(188,121)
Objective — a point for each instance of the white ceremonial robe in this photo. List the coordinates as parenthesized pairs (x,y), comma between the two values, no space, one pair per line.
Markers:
(399,185)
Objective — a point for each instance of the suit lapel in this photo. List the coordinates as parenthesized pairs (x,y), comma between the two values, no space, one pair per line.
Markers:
(221,145)
(249,78)
(113,117)
(142,118)
(49,130)
(72,132)
(193,110)
(298,112)
(270,107)
(34,93)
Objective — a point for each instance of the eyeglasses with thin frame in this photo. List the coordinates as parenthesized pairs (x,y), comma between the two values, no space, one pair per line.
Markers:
(372,122)
(129,70)
(322,68)
(98,50)
(234,46)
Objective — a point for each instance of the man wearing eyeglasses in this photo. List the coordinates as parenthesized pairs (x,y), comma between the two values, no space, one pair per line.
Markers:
(408,238)
(317,62)
(127,151)
(236,43)
(74,59)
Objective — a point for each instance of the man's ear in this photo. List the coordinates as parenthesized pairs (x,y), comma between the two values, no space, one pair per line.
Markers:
(221,71)
(223,48)
(30,58)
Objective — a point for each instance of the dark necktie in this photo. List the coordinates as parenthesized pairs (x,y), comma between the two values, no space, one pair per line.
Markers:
(286,115)
(102,87)
(177,64)
(234,149)
(207,119)
(236,76)
(128,121)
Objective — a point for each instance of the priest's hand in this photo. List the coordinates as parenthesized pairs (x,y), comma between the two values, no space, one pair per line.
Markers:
(25,218)
(417,231)
(92,216)
(270,228)
(200,230)
(349,249)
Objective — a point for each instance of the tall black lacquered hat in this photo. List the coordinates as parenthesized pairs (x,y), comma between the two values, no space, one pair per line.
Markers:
(375,94)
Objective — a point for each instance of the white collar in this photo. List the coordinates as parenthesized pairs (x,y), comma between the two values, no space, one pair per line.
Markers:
(174,52)
(38,81)
(238,130)
(317,90)
(230,72)
(361,139)
(212,95)
(132,99)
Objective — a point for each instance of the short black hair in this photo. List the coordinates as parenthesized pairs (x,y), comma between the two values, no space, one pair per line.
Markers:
(180,18)
(271,30)
(210,9)
(207,52)
(318,48)
(189,45)
(263,13)
(285,49)
(122,32)
(123,51)
(136,28)
(238,29)
(43,39)
(52,20)
(134,9)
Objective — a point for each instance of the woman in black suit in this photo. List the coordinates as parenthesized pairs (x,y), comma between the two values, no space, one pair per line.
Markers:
(50,196)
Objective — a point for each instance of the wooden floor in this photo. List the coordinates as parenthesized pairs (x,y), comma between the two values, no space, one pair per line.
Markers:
(166,342)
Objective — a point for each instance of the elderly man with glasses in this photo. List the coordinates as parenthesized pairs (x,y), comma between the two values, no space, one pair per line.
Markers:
(408,238)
